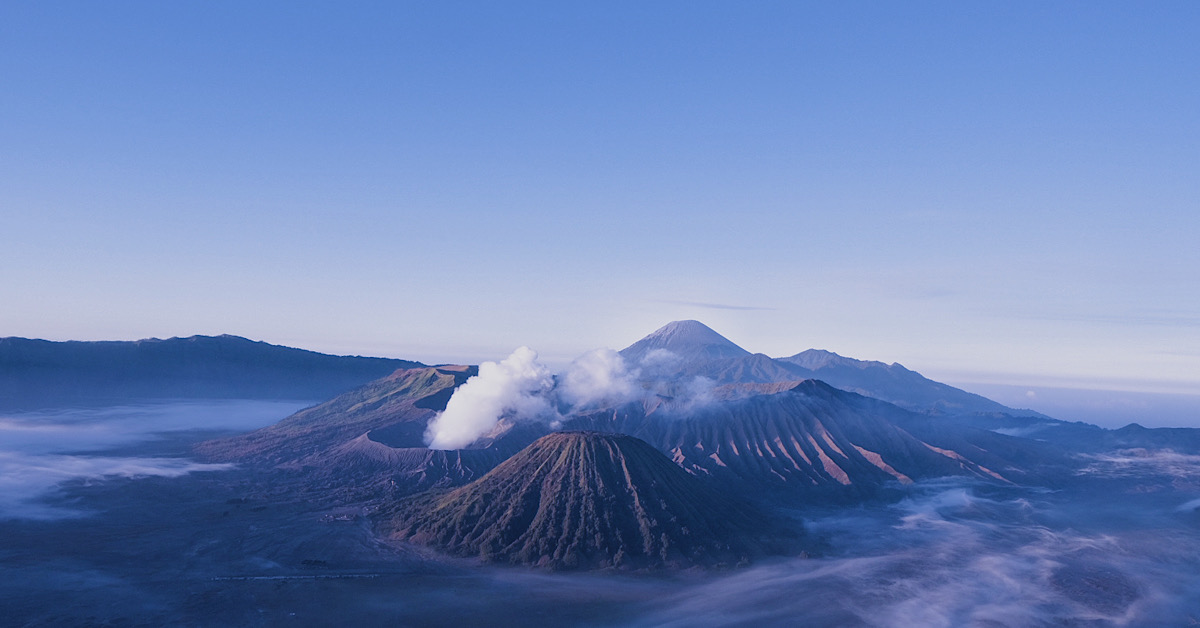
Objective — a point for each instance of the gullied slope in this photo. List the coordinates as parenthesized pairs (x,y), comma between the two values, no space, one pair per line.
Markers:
(576,500)
(809,436)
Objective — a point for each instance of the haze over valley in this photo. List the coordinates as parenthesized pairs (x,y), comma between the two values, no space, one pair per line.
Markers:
(680,481)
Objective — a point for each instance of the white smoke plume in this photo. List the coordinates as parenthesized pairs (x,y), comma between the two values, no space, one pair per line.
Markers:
(518,384)
(600,375)
(698,393)
(524,389)
(660,364)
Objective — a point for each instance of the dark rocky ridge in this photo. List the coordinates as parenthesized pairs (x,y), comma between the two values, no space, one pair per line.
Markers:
(41,373)
(368,443)
(579,500)
(398,407)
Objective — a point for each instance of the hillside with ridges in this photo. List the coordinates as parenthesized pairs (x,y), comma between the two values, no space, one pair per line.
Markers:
(807,436)
(368,443)
(397,406)
(578,500)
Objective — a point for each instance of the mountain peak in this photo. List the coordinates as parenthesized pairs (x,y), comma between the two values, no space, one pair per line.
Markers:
(815,359)
(689,340)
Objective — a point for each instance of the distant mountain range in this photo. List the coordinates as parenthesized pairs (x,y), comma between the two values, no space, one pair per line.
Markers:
(692,348)
(771,425)
(690,465)
(41,373)
(772,430)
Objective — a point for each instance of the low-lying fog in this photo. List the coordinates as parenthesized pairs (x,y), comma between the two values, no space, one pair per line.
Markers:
(1120,549)
(950,556)
(40,450)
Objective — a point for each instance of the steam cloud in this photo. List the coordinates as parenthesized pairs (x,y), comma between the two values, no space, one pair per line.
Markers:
(523,389)
(954,553)
(596,376)
(947,556)
(515,385)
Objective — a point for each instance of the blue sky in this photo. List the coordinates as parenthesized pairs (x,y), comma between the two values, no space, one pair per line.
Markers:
(983,191)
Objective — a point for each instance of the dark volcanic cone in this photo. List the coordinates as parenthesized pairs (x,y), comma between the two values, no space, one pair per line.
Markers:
(580,500)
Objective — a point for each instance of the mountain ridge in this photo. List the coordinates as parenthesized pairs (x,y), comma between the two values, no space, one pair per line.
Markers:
(43,373)
(699,351)
(802,438)
(767,426)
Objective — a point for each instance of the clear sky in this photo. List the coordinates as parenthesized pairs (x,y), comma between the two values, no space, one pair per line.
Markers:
(1003,192)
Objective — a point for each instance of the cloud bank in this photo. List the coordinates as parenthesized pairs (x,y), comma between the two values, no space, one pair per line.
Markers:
(517,385)
(521,388)
(39,451)
(948,556)
(27,478)
(600,375)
